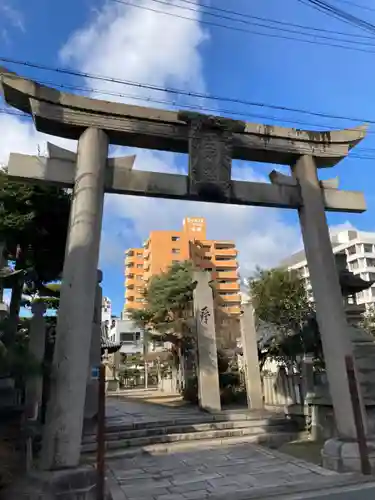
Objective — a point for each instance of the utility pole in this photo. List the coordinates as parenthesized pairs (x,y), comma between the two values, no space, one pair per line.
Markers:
(145,352)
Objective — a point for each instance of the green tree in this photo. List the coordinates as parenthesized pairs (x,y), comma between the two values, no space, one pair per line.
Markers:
(33,228)
(279,298)
(368,320)
(168,297)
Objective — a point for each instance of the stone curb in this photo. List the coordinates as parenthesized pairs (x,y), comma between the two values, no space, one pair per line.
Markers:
(114,488)
(297,461)
(180,446)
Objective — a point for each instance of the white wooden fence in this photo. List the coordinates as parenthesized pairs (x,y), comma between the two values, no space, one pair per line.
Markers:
(282,389)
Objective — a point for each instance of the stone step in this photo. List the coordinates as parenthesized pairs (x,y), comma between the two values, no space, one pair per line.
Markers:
(253,430)
(114,435)
(233,416)
(270,439)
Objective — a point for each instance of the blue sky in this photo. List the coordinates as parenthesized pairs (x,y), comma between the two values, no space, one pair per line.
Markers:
(113,39)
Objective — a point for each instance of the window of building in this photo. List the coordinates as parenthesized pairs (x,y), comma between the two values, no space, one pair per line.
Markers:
(368,248)
(224,257)
(131,264)
(130,298)
(127,337)
(175,238)
(139,299)
(175,250)
(351,250)
(355,264)
(139,254)
(370,262)
(139,289)
(371,276)
(130,276)
(139,278)
(139,266)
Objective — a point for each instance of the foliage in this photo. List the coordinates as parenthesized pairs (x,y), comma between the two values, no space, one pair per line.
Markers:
(17,362)
(368,320)
(279,298)
(168,296)
(49,294)
(33,226)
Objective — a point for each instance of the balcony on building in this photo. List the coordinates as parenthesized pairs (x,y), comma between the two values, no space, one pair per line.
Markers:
(231,309)
(224,244)
(230,285)
(129,253)
(219,273)
(130,292)
(203,244)
(224,262)
(230,297)
(226,252)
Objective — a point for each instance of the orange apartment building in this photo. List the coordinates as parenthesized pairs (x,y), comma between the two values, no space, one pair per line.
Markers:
(163,248)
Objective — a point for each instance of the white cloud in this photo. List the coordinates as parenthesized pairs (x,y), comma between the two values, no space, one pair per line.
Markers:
(139,45)
(9,15)
(19,136)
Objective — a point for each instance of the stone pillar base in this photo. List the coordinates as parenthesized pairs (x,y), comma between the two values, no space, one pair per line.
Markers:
(69,484)
(343,456)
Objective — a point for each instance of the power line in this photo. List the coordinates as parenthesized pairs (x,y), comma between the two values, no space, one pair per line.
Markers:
(275,21)
(243,18)
(185,93)
(357,46)
(356,5)
(339,14)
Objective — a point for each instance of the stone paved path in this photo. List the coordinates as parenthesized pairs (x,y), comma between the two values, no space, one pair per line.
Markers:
(124,410)
(235,472)
(196,475)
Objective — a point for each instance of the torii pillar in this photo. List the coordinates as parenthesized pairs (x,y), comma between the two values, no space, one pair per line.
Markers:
(64,421)
(327,293)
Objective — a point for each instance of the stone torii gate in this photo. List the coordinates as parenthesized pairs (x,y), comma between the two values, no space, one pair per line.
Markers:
(211,143)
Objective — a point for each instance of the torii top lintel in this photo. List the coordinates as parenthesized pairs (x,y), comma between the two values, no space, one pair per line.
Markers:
(68,115)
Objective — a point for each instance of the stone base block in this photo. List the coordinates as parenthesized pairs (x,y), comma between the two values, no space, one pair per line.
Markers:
(69,484)
(343,456)
(112,385)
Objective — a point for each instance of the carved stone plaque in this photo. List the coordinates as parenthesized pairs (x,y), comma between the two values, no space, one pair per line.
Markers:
(210,155)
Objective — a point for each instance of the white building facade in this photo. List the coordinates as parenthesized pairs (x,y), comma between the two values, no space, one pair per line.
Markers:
(359,248)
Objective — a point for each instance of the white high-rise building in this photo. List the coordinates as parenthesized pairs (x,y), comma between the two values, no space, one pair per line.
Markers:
(106,310)
(359,248)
